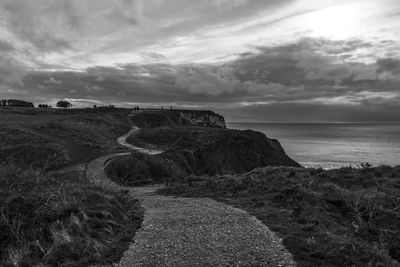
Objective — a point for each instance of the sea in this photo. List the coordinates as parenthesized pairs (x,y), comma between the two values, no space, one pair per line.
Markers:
(334,145)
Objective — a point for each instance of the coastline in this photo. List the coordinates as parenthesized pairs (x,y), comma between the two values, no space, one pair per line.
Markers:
(333,145)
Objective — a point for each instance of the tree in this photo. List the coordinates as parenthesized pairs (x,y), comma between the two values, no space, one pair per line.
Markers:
(63,104)
(16,103)
(43,106)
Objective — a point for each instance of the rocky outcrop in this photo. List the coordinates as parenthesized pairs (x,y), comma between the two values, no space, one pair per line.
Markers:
(151,119)
(201,118)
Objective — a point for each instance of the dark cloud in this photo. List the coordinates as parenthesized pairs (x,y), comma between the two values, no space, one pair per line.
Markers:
(11,73)
(390,65)
(299,79)
(307,62)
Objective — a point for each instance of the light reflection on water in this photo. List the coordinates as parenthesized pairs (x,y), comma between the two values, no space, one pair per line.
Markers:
(333,145)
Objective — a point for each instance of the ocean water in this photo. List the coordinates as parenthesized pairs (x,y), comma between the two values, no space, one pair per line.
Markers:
(334,145)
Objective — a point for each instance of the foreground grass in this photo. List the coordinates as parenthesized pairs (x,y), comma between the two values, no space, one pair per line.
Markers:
(343,217)
(62,220)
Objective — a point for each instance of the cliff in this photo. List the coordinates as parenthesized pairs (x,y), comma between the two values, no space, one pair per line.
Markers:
(223,151)
(199,118)
(157,118)
(196,151)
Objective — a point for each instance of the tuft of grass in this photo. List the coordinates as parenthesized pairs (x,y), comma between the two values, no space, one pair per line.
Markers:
(62,220)
(343,217)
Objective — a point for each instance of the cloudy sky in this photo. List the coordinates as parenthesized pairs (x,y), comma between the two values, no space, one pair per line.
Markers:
(254,60)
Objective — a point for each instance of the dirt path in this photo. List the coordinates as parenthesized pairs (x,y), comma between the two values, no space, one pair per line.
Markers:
(193,231)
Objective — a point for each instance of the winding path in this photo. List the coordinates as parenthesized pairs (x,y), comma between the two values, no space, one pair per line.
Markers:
(192,231)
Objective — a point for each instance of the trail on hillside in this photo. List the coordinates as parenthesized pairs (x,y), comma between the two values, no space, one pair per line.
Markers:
(192,231)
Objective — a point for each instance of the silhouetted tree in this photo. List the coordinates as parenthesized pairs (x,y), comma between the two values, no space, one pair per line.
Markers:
(63,104)
(43,106)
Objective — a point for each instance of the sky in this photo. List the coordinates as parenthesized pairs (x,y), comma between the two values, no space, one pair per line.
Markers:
(249,60)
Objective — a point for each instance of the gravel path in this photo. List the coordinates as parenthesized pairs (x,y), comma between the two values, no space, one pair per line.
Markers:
(201,232)
(193,231)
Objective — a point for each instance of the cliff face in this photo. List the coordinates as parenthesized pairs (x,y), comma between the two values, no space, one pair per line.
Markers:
(152,119)
(205,118)
(224,152)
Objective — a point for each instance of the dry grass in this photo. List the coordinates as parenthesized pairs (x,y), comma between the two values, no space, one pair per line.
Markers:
(62,220)
(344,217)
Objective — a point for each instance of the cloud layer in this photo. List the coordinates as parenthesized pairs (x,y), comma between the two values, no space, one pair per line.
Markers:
(244,58)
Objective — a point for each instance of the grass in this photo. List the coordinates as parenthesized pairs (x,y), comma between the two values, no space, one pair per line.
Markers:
(167,137)
(27,149)
(95,131)
(137,169)
(62,220)
(196,151)
(343,217)
(50,138)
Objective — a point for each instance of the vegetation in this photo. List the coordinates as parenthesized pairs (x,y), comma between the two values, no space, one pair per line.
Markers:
(51,138)
(196,151)
(58,219)
(44,106)
(16,103)
(63,104)
(27,149)
(137,169)
(343,217)
(151,118)
(62,220)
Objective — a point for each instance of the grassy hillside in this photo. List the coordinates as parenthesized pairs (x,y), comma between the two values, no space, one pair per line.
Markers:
(198,151)
(62,220)
(51,138)
(25,148)
(344,217)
